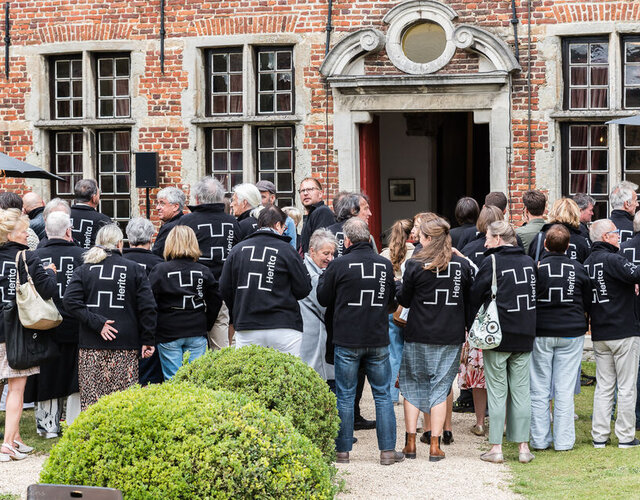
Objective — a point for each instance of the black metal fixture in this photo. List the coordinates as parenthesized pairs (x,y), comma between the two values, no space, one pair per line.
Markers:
(329,27)
(162,34)
(514,22)
(7,39)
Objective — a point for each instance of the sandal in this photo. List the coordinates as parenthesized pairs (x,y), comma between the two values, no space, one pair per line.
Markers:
(22,448)
(13,455)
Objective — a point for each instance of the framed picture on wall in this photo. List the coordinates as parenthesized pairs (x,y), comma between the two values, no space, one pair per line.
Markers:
(402,190)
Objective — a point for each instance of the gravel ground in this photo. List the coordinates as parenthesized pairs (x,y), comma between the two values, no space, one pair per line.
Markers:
(15,477)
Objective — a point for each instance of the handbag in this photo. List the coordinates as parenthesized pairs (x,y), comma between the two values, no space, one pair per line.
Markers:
(25,348)
(485,332)
(34,312)
(400,317)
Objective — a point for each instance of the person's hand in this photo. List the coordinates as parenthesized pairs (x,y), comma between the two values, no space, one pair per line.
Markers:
(147,351)
(637,289)
(51,266)
(455,251)
(108,332)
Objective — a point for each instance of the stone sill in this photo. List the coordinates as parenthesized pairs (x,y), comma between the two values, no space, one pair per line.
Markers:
(592,115)
(242,119)
(80,123)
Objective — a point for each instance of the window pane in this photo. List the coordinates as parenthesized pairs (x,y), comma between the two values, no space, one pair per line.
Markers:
(235,61)
(632,98)
(599,98)
(122,141)
(63,89)
(632,52)
(219,138)
(235,136)
(220,161)
(220,63)
(599,52)
(122,87)
(123,208)
(77,109)
(220,104)
(266,61)
(77,141)
(284,182)
(284,137)
(107,208)
(122,67)
(63,109)
(122,183)
(635,178)
(236,160)
(266,160)
(62,69)
(266,103)
(105,67)
(632,75)
(599,184)
(266,138)
(64,164)
(122,163)
(105,88)
(235,105)
(235,83)
(579,75)
(598,136)
(578,159)
(64,142)
(599,76)
(599,160)
(106,163)
(106,184)
(284,60)
(284,81)
(578,135)
(266,81)
(77,163)
(632,160)
(632,135)
(122,107)
(220,83)
(76,68)
(284,160)
(77,88)
(578,98)
(578,183)
(284,102)
(106,108)
(578,53)
(106,141)
(236,179)
(268,176)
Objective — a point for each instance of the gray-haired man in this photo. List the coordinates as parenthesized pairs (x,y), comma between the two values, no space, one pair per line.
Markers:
(170,203)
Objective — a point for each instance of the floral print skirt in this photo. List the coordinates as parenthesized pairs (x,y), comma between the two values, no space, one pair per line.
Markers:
(471,375)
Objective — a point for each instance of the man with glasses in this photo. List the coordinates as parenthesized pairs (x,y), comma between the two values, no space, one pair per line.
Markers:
(170,203)
(614,332)
(318,214)
(624,203)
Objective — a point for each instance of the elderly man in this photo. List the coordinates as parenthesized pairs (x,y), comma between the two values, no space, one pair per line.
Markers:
(360,289)
(85,217)
(33,206)
(615,332)
(349,205)
(624,203)
(318,214)
(585,204)
(244,200)
(55,205)
(170,203)
(268,194)
(217,233)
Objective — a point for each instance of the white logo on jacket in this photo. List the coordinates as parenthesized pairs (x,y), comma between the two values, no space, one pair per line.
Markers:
(264,280)
(525,301)
(84,232)
(630,254)
(66,266)
(568,273)
(195,280)
(454,289)
(598,283)
(228,234)
(9,273)
(379,276)
(121,282)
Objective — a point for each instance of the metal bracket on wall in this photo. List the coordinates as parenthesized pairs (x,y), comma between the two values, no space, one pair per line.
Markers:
(162,34)
(7,39)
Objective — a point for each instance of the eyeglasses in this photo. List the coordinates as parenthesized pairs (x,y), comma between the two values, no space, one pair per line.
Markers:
(307,190)
(617,231)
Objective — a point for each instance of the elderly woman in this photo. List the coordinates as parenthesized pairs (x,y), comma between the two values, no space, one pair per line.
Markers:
(246,204)
(506,368)
(314,334)
(111,298)
(13,239)
(188,300)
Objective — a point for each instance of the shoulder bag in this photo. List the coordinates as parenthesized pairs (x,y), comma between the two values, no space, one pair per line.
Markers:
(485,332)
(25,348)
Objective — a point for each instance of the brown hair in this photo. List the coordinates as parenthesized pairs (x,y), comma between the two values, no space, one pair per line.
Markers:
(496,199)
(488,214)
(534,201)
(400,232)
(557,238)
(565,211)
(467,211)
(437,254)
(182,244)
(314,180)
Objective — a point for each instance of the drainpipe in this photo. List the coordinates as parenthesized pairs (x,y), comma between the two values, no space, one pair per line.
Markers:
(529,89)
(514,23)
(328,29)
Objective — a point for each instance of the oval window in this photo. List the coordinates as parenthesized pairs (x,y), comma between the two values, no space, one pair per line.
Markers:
(424,42)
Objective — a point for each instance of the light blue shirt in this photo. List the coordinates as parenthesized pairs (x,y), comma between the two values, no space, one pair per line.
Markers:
(290,231)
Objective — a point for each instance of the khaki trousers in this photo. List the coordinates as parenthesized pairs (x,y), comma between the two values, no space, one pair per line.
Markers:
(218,336)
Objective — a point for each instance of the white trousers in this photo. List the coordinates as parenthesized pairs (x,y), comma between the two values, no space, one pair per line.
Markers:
(284,340)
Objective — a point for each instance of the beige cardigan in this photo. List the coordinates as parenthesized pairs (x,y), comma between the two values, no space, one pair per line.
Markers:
(410,249)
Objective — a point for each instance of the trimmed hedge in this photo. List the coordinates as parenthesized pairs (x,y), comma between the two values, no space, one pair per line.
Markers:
(280,382)
(180,441)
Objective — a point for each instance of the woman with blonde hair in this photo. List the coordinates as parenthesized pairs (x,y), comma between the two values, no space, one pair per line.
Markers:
(13,240)
(188,300)
(566,212)
(111,298)
(435,287)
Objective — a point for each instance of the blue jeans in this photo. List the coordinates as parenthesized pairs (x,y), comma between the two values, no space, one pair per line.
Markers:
(554,361)
(396,346)
(171,353)
(376,363)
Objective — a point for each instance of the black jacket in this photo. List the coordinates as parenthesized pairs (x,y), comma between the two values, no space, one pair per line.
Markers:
(319,216)
(475,249)
(66,256)
(147,259)
(438,302)
(114,289)
(584,232)
(163,232)
(516,297)
(579,247)
(336,229)
(217,233)
(44,281)
(36,222)
(262,281)
(631,250)
(359,289)
(613,280)
(624,222)
(248,224)
(462,235)
(86,222)
(188,299)
(563,297)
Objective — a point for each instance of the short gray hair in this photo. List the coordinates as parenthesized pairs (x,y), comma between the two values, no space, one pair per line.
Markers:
(348,206)
(249,193)
(503,229)
(322,237)
(584,200)
(173,195)
(208,190)
(636,223)
(56,224)
(356,230)
(623,191)
(56,205)
(599,228)
(140,231)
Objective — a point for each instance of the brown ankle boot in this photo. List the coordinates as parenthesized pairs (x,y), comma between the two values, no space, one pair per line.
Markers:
(409,449)
(435,453)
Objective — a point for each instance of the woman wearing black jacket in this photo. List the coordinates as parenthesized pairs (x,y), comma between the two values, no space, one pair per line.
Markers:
(506,368)
(13,239)
(111,298)
(436,289)
(188,300)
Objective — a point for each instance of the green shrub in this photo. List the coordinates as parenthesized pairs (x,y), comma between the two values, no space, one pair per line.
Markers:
(179,441)
(279,381)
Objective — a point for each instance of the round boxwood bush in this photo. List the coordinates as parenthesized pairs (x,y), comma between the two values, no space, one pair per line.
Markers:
(281,382)
(182,441)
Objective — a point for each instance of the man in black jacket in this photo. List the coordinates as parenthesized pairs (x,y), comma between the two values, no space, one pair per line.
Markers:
(217,233)
(585,204)
(318,214)
(360,289)
(33,206)
(624,203)
(85,217)
(614,330)
(170,203)
(246,198)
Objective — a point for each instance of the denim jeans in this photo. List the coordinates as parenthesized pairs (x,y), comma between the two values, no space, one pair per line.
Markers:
(376,363)
(554,362)
(171,353)
(396,345)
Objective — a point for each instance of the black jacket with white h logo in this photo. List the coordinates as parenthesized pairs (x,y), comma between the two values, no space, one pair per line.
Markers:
(613,280)
(516,297)
(623,220)
(216,231)
(248,224)
(579,247)
(463,235)
(438,300)
(563,297)
(146,258)
(163,232)
(262,281)
(114,289)
(86,222)
(337,231)
(188,299)
(359,288)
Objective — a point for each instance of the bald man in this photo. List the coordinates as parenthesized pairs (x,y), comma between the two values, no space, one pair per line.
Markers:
(33,206)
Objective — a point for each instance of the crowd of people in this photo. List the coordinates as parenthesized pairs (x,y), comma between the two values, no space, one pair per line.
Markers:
(234,270)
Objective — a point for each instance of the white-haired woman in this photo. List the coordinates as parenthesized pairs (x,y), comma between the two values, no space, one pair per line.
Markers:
(246,204)
(111,298)
(322,247)
(13,239)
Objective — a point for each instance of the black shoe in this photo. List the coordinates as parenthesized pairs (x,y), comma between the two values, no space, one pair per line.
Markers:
(447,437)
(355,440)
(362,424)
(463,407)
(630,444)
(426,437)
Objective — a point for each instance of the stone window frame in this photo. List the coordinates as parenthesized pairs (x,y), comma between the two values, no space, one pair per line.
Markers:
(589,87)
(623,41)
(210,74)
(54,99)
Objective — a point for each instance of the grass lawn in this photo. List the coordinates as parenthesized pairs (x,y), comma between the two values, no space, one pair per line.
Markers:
(29,434)
(584,472)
